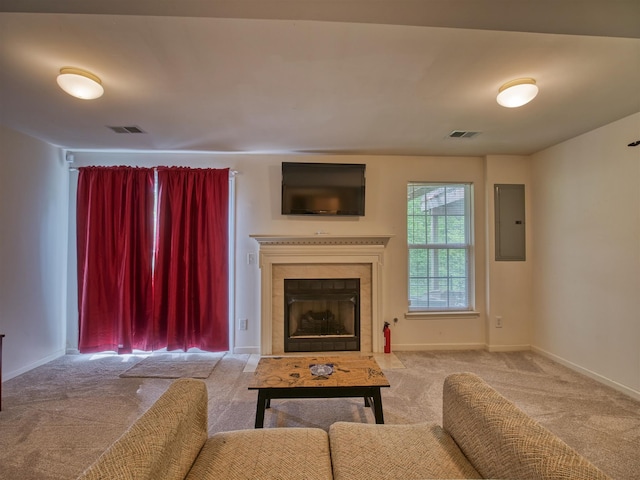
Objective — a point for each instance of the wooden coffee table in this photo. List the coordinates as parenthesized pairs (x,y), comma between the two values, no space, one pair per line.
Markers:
(318,377)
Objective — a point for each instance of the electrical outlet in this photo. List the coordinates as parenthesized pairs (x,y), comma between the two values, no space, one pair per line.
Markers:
(243,324)
(498,322)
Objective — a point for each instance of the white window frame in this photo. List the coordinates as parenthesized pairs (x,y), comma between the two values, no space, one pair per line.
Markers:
(434,305)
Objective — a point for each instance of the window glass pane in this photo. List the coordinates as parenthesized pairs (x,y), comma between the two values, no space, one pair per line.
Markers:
(418,290)
(458,297)
(440,266)
(455,230)
(455,200)
(437,295)
(458,263)
(418,262)
(437,229)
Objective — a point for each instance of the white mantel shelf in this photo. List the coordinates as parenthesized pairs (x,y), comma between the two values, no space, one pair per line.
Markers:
(322,239)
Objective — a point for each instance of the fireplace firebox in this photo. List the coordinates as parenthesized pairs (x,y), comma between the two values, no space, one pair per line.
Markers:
(322,315)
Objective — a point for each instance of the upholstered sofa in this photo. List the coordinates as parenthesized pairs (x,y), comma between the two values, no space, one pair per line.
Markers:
(483,436)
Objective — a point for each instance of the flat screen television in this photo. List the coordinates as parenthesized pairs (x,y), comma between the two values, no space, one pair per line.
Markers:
(323,188)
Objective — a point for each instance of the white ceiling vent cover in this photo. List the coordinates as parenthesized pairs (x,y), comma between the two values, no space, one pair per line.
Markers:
(463,134)
(132,129)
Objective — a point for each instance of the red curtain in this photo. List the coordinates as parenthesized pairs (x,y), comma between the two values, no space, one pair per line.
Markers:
(115,238)
(191,270)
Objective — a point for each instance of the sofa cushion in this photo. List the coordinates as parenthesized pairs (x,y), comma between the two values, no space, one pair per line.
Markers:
(265,454)
(163,442)
(403,452)
(501,440)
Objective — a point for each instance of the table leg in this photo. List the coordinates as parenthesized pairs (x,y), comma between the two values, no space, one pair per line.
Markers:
(377,406)
(262,404)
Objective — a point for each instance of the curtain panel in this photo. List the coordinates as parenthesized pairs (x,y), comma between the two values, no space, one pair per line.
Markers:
(114,238)
(137,291)
(191,306)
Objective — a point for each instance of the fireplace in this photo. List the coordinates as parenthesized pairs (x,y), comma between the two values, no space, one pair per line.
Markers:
(320,256)
(321,314)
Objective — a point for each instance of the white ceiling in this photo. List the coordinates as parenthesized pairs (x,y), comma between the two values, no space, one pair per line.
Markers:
(319,76)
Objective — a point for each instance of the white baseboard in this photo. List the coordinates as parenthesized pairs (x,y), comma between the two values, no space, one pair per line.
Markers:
(419,347)
(459,346)
(248,350)
(14,373)
(507,348)
(595,376)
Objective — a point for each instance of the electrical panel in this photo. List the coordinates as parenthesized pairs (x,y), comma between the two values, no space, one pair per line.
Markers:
(509,222)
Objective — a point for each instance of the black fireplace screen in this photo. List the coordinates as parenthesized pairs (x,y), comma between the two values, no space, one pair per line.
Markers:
(322,315)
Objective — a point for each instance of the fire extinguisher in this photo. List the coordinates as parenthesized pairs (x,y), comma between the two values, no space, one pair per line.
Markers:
(387,337)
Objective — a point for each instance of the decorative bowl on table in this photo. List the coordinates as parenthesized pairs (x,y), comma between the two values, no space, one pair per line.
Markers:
(321,369)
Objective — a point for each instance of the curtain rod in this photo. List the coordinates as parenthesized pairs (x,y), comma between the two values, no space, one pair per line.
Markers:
(232,173)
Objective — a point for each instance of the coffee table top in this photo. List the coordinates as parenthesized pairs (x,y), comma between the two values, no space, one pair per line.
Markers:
(321,371)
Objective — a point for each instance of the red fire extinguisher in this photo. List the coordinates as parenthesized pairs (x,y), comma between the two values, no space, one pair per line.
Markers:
(387,337)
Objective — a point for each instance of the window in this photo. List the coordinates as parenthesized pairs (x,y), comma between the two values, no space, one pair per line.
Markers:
(440,243)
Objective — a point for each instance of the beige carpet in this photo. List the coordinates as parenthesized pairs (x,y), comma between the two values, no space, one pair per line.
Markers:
(58,418)
(174,365)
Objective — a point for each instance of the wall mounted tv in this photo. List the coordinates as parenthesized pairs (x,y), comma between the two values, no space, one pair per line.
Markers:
(323,188)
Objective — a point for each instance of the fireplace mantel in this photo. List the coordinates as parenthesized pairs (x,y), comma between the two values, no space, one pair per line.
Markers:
(322,239)
(322,250)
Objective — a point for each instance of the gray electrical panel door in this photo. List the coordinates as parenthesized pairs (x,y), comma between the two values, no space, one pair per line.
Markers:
(510,224)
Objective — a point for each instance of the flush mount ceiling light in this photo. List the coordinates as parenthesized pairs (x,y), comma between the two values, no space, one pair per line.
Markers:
(517,92)
(80,83)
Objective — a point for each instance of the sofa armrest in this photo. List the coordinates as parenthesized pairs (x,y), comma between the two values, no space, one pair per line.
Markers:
(500,440)
(163,443)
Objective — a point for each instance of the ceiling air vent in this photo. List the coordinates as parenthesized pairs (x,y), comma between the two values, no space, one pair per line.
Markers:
(132,129)
(463,134)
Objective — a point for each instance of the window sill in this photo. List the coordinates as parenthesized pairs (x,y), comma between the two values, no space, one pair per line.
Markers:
(440,315)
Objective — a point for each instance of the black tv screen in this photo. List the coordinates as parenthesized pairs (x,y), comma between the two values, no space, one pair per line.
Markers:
(323,188)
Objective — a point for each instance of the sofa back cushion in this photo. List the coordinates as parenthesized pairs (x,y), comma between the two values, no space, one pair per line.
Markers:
(265,454)
(361,451)
(163,443)
(501,441)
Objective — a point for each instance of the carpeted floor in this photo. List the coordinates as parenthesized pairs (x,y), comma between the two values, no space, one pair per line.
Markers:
(58,418)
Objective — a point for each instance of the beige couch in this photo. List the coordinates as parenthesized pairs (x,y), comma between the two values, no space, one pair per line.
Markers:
(483,436)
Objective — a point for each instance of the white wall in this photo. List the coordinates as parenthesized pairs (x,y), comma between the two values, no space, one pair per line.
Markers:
(33,251)
(509,283)
(258,212)
(586,275)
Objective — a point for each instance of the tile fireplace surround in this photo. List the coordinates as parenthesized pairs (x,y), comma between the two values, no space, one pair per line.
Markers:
(320,256)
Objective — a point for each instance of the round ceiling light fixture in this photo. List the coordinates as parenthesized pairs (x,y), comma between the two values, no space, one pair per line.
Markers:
(80,83)
(517,92)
